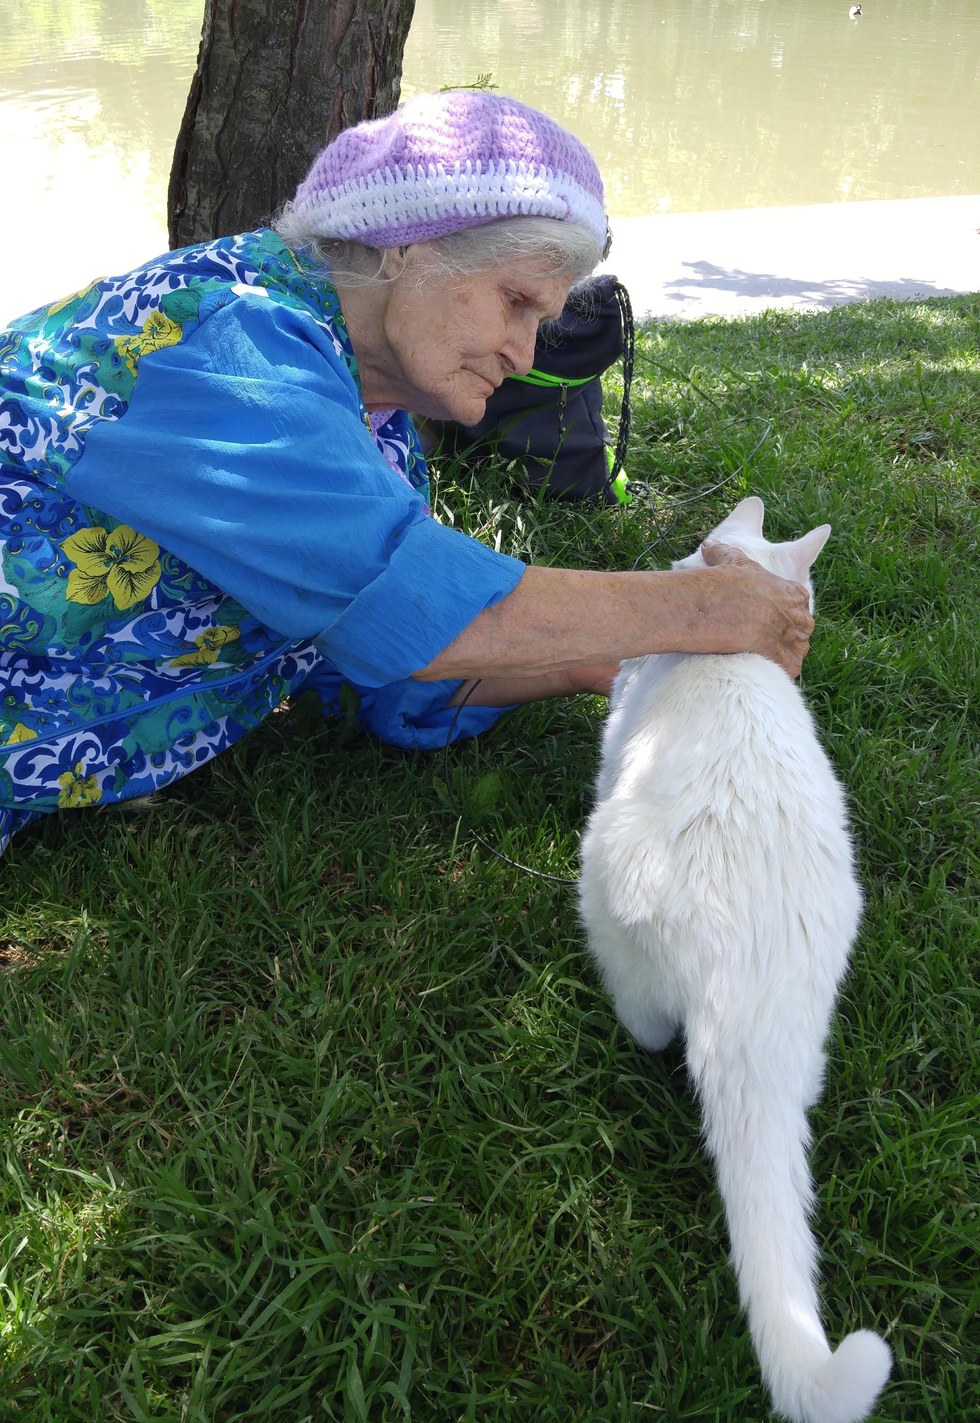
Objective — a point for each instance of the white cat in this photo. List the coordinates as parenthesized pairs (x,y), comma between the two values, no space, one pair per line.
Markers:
(719,896)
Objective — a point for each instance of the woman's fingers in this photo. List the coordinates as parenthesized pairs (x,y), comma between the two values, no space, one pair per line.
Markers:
(779,607)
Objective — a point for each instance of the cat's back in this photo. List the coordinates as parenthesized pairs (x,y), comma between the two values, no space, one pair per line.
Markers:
(720,745)
(703,712)
(716,803)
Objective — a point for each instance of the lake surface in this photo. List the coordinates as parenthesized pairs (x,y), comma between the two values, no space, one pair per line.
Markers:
(687,104)
(91,97)
(698,105)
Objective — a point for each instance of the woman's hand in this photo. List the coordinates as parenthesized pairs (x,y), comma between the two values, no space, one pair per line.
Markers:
(565,630)
(770,615)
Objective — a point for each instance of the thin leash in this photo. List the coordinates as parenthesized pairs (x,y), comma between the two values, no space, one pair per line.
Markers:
(640,490)
(621,448)
(617,465)
(474,834)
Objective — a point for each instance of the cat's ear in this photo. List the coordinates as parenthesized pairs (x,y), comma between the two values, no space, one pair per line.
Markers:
(805,550)
(745,518)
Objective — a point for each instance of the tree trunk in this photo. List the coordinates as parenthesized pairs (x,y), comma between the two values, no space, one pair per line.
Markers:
(275,80)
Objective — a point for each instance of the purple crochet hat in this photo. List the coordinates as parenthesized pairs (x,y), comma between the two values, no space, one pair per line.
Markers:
(444,162)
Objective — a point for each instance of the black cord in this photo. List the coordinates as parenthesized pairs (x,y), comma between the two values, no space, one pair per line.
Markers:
(498,854)
(636,488)
(629,359)
(641,489)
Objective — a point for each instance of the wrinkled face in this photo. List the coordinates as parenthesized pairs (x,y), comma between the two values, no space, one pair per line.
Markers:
(449,341)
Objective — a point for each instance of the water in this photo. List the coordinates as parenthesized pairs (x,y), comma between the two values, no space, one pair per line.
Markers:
(91,97)
(687,104)
(698,105)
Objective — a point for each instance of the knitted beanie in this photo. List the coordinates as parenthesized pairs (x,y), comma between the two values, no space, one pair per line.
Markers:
(444,162)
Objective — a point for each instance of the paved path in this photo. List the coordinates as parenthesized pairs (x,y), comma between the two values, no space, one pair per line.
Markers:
(684,265)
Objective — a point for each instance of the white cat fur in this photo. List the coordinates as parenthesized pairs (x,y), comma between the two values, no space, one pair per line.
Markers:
(719,896)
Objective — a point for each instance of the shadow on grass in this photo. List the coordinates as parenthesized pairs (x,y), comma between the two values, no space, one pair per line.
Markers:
(737,283)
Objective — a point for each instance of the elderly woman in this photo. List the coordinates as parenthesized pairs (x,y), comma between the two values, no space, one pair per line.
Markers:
(211,495)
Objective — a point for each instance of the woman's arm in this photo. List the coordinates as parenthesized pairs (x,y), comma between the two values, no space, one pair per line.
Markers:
(515,691)
(563,630)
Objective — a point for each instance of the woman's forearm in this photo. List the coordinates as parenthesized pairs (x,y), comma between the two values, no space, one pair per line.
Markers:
(514,691)
(556,620)
(557,617)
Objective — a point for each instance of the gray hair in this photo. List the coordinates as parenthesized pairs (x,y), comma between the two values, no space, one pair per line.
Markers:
(564,249)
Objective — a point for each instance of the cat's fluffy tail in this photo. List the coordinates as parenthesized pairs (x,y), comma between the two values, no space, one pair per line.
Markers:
(757,1134)
(844,1387)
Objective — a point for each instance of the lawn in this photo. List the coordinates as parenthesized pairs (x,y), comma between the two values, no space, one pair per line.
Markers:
(312,1107)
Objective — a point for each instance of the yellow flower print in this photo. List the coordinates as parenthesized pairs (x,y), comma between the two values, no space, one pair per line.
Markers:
(21,733)
(78,790)
(122,565)
(156,332)
(208,645)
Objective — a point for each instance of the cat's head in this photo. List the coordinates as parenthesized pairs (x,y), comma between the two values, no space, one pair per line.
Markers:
(742,529)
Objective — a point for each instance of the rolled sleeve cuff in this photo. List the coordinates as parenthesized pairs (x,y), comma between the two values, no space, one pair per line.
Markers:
(418,715)
(436,582)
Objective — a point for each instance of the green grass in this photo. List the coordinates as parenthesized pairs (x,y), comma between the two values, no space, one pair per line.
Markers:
(313,1110)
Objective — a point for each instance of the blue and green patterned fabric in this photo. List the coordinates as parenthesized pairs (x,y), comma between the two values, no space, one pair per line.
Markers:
(198,518)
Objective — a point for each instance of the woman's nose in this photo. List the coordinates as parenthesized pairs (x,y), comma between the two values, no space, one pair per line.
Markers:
(518,348)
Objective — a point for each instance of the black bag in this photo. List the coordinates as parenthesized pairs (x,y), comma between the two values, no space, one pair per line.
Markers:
(550,421)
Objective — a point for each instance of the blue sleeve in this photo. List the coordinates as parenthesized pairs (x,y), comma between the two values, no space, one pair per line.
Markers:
(244,451)
(414,715)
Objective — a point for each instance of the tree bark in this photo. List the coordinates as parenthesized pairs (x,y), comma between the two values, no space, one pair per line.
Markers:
(275,80)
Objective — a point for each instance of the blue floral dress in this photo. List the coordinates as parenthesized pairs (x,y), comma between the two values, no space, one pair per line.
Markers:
(198,518)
